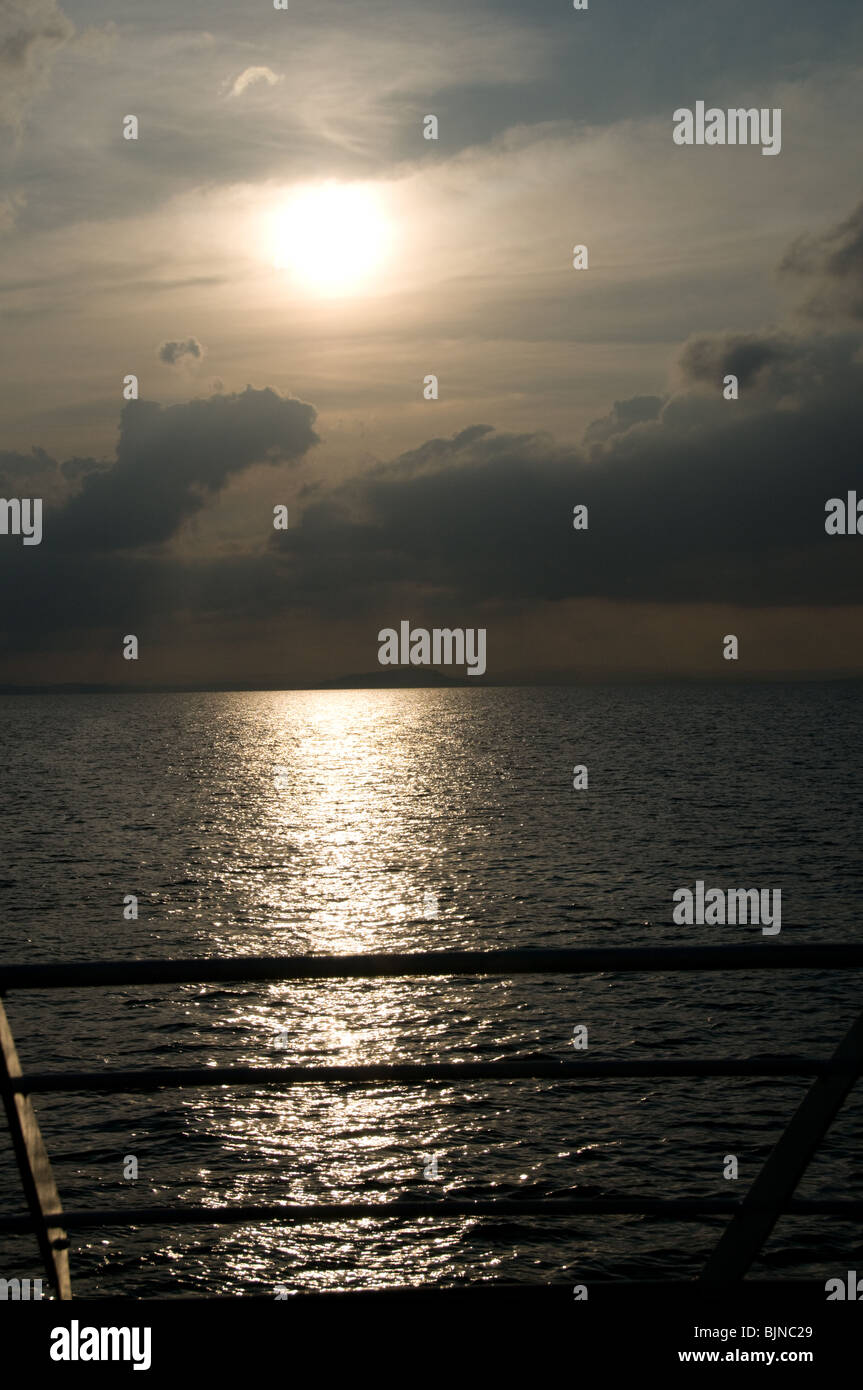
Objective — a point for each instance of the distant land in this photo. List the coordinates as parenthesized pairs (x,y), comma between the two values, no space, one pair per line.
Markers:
(426,679)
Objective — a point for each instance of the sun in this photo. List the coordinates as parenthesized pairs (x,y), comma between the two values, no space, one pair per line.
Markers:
(332,238)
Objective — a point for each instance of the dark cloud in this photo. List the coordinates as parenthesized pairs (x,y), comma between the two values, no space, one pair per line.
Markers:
(169,459)
(708,502)
(16,468)
(88,575)
(37,474)
(77,468)
(622,416)
(831,265)
(773,367)
(173,352)
(709,358)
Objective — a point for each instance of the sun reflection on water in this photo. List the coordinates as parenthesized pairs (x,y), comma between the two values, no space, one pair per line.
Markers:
(333,821)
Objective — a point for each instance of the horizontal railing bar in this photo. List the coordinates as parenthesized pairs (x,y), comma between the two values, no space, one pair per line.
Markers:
(579,960)
(671,1209)
(157,1078)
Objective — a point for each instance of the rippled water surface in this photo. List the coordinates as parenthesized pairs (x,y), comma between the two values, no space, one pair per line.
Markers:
(348,821)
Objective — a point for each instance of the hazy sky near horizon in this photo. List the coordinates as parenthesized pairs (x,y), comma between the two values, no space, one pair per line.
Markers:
(281,340)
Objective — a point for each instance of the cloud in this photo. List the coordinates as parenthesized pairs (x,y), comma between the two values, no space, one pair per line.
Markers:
(775,366)
(709,358)
(831,264)
(31,34)
(622,416)
(36,474)
(169,459)
(710,502)
(704,501)
(250,76)
(174,352)
(707,502)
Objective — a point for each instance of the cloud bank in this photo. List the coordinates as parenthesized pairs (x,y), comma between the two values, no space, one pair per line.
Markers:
(691,499)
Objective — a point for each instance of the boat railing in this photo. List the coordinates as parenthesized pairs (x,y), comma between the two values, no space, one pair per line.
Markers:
(750,1219)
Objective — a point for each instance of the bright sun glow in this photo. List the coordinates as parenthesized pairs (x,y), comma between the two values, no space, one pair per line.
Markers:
(331,238)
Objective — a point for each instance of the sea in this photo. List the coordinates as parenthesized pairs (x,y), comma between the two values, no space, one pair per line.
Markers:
(410,820)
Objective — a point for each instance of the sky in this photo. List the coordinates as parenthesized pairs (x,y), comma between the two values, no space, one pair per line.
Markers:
(282,260)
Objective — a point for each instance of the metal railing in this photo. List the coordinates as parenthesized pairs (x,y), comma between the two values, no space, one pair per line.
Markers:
(751,1219)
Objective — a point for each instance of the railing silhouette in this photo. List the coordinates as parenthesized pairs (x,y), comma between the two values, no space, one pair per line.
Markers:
(751,1219)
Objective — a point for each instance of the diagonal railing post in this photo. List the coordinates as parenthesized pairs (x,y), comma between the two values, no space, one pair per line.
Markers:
(774,1186)
(37,1179)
